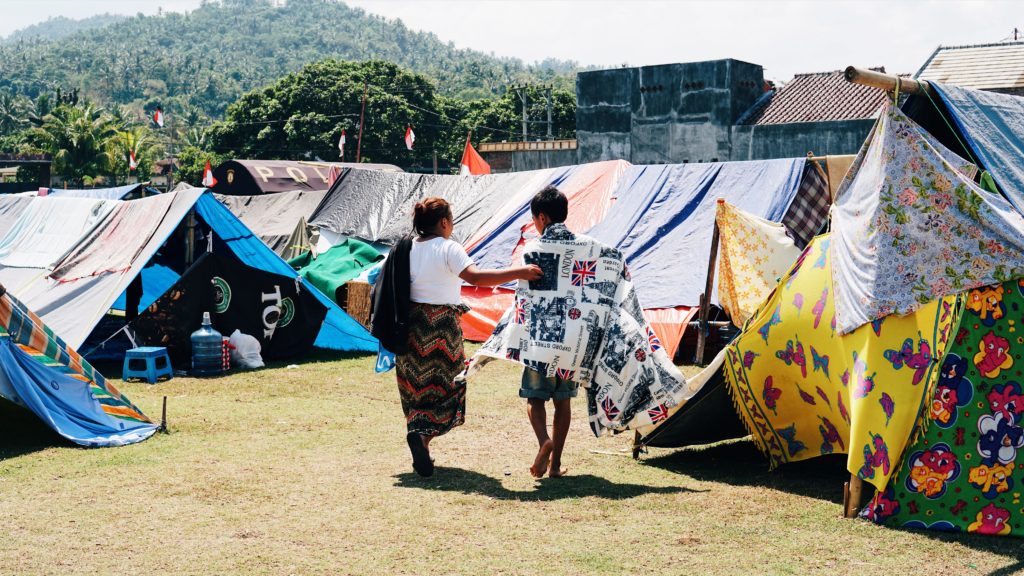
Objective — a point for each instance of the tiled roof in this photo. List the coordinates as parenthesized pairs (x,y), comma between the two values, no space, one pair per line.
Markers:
(818,97)
(982,66)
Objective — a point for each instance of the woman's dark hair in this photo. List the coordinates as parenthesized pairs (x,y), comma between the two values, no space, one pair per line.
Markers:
(552,202)
(428,213)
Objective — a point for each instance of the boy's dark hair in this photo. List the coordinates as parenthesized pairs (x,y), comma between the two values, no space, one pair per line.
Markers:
(552,202)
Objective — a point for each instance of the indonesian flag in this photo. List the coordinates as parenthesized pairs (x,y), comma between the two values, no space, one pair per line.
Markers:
(341,145)
(158,116)
(208,180)
(410,137)
(472,163)
(132,164)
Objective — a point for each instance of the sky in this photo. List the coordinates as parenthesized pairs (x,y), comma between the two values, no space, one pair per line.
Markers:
(785,37)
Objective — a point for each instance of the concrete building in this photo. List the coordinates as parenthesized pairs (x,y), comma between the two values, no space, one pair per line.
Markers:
(716,111)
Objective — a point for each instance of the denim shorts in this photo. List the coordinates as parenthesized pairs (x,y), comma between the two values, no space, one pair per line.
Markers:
(538,386)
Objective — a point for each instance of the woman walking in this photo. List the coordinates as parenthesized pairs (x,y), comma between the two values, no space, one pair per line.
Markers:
(432,400)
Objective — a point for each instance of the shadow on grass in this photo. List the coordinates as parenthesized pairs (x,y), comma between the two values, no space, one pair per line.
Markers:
(739,463)
(469,482)
(22,432)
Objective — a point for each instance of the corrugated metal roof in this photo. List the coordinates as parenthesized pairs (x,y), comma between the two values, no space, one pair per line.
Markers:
(982,66)
(818,97)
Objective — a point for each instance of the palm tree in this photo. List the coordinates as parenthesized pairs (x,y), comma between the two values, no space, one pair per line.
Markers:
(12,113)
(143,142)
(79,138)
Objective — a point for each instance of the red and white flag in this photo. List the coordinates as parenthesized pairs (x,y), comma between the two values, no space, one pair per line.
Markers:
(472,163)
(410,137)
(341,145)
(208,180)
(158,116)
(132,164)
(332,175)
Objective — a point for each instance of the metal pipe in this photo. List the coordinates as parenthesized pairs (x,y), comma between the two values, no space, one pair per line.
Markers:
(885,81)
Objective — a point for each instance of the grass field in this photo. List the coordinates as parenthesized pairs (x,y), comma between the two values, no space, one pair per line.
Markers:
(305,471)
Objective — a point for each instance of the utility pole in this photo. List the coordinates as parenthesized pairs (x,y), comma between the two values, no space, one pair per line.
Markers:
(521,91)
(362,112)
(550,123)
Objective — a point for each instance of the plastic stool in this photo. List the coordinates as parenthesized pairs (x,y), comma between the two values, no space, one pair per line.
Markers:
(149,363)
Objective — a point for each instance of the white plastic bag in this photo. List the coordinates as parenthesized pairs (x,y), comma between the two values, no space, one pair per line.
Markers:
(246,351)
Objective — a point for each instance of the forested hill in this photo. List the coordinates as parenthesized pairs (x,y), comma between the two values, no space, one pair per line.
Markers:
(208,57)
(62,26)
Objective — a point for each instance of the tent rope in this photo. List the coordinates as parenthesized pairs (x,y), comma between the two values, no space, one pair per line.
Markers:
(964,146)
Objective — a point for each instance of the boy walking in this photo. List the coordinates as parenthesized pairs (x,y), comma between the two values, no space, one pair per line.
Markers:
(549,209)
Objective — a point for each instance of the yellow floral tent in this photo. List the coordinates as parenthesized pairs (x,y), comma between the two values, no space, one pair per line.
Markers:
(804,391)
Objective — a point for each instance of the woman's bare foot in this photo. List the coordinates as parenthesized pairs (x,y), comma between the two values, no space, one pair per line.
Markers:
(540,463)
(557,471)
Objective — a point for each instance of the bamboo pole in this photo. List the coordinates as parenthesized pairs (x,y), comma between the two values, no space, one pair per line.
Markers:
(885,81)
(851,501)
(705,300)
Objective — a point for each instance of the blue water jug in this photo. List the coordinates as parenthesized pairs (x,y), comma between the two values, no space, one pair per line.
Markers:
(207,349)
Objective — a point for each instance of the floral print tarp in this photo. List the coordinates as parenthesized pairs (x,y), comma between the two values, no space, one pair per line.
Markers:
(803,391)
(910,225)
(582,322)
(965,472)
(753,254)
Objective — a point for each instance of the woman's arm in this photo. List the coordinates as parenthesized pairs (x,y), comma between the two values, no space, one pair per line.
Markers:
(478,277)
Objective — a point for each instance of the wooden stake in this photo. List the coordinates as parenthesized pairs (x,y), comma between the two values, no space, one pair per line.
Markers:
(851,502)
(163,417)
(705,301)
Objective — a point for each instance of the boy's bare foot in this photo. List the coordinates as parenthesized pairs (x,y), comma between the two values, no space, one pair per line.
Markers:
(540,463)
(561,471)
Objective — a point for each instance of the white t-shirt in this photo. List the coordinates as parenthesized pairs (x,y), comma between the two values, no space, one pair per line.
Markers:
(434,267)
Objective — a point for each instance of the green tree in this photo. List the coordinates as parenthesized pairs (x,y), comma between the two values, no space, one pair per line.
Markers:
(80,138)
(192,161)
(13,110)
(301,116)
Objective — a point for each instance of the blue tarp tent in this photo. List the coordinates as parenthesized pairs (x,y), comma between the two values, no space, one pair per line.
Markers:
(339,331)
(664,215)
(39,372)
(993,125)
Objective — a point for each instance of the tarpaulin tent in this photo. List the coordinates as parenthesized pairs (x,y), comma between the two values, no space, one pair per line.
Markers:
(252,177)
(378,206)
(993,126)
(664,217)
(589,188)
(74,293)
(274,217)
(339,331)
(332,269)
(41,373)
(116,193)
(276,310)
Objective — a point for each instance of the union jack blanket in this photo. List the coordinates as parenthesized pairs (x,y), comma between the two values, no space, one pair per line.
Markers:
(582,322)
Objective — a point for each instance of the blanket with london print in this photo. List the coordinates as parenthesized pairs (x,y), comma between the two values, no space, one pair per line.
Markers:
(582,322)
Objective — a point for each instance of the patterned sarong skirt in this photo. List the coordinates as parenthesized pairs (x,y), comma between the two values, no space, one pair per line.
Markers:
(432,400)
